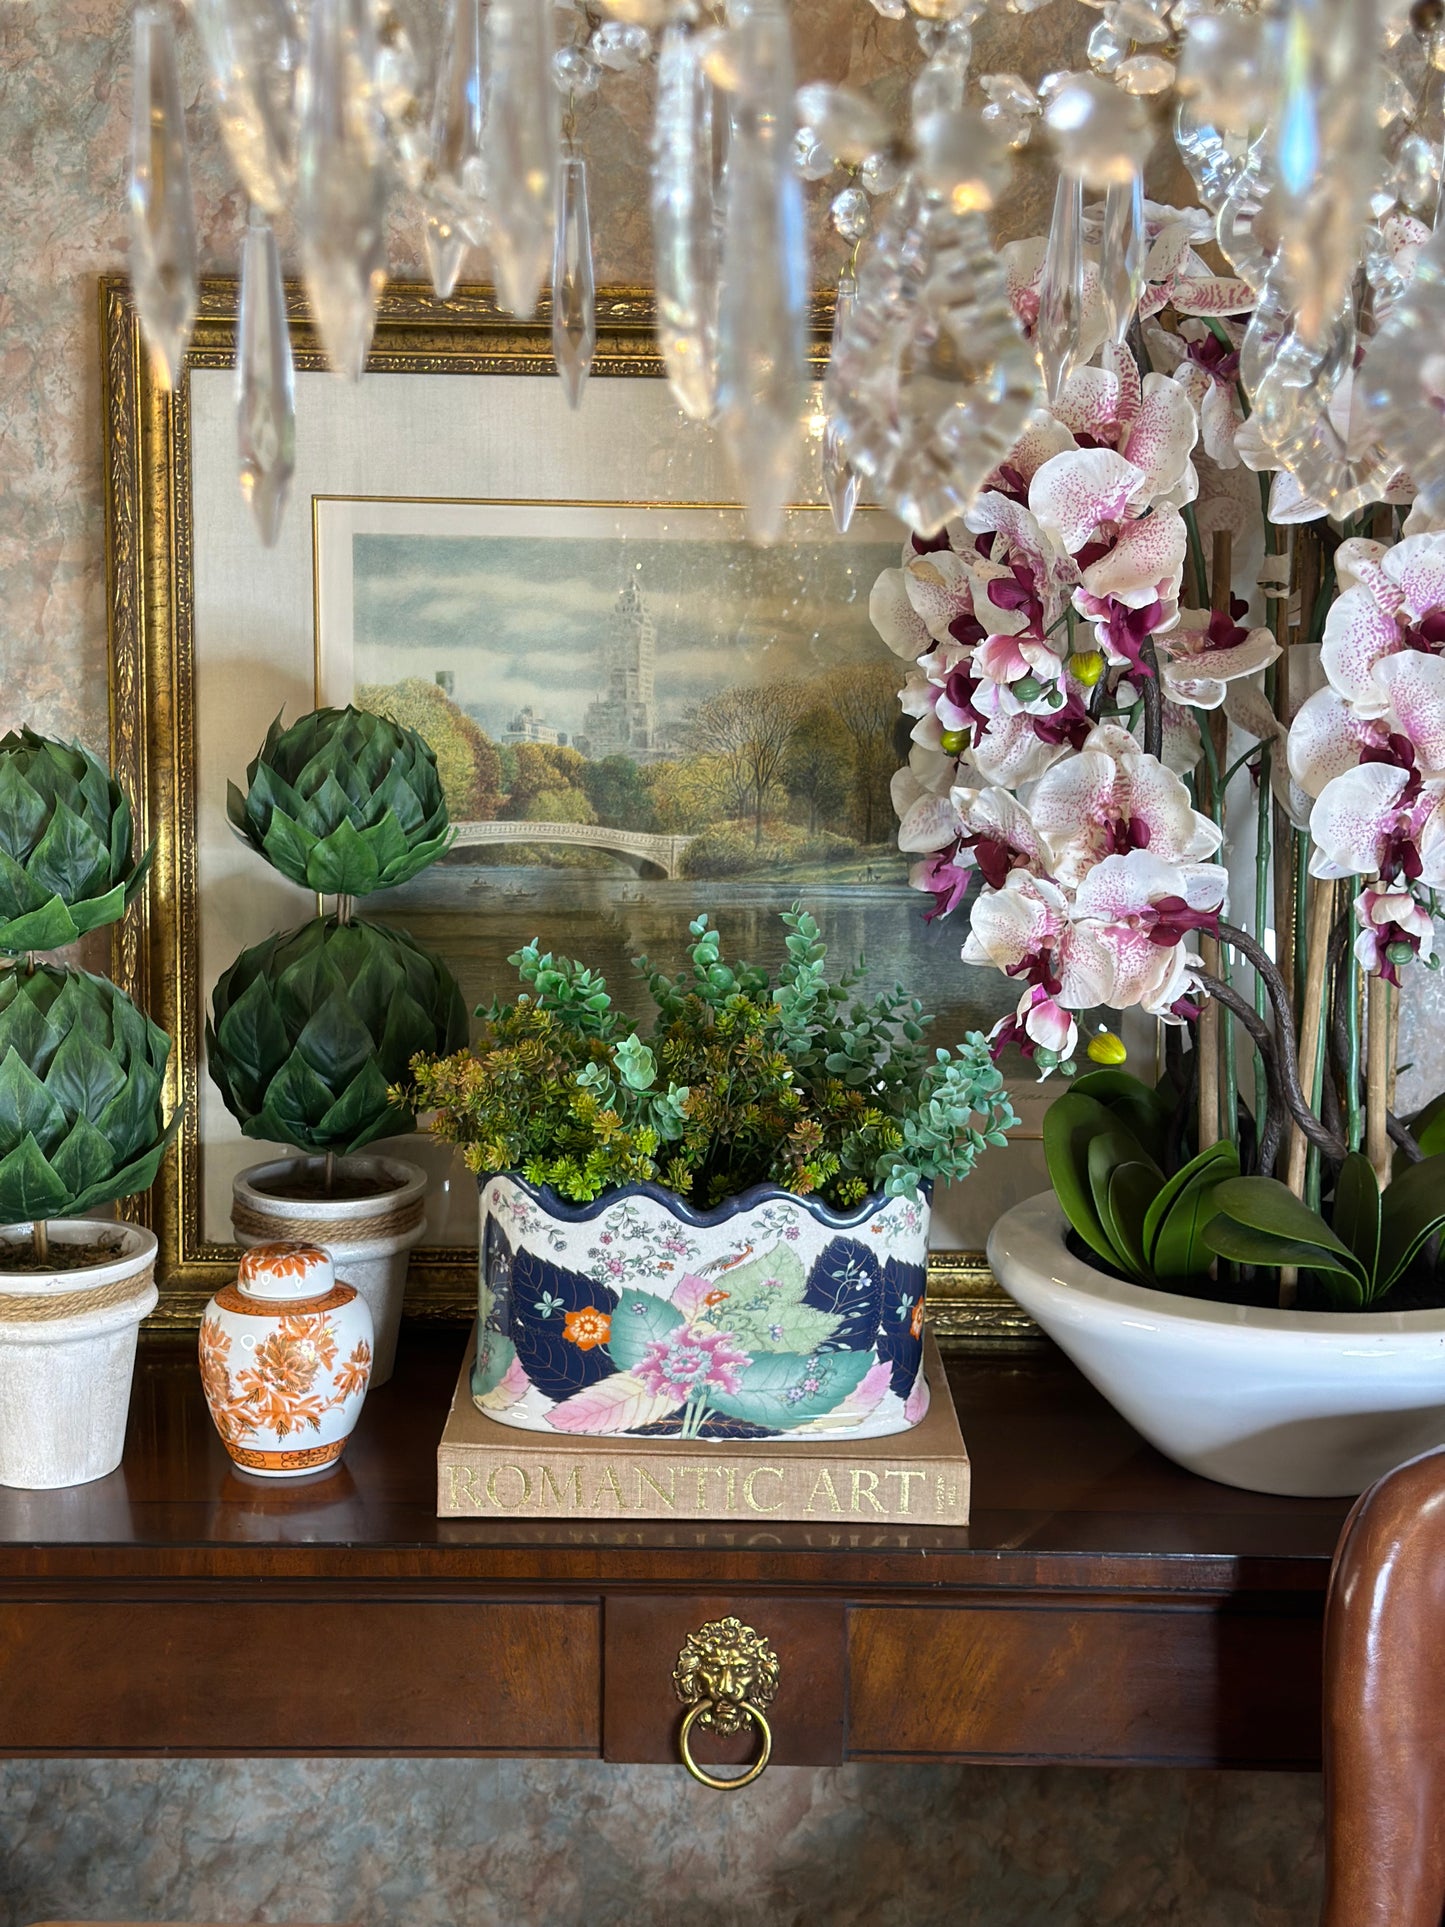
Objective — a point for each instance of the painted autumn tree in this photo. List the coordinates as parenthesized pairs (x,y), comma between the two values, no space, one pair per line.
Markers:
(467,761)
(752,728)
(818,770)
(865,701)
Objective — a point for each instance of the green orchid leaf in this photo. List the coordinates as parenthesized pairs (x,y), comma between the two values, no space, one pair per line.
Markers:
(1427,1127)
(1245,1246)
(1136,1105)
(1110,1152)
(1356,1216)
(1412,1211)
(1271,1210)
(1132,1189)
(1201,1173)
(1071,1123)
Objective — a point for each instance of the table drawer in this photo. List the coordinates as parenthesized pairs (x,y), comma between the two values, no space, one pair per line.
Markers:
(1204,1684)
(642,1714)
(301,1676)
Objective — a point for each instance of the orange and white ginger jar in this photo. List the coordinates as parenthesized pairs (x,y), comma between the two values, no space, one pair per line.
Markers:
(286,1357)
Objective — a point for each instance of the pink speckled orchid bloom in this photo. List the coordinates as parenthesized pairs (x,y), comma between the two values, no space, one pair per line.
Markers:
(1390,601)
(1024,270)
(1112,798)
(1394,929)
(1151,423)
(1207,369)
(1207,650)
(1381,819)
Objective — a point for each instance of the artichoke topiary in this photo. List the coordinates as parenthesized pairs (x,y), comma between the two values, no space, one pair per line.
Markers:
(309,1028)
(81,1071)
(343,802)
(66,863)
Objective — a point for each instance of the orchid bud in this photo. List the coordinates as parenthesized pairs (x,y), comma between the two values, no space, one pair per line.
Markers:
(1027,688)
(953,740)
(1087,666)
(1106,1048)
(1400,952)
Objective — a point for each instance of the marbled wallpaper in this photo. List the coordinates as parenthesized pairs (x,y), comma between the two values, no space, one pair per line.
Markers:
(446,1842)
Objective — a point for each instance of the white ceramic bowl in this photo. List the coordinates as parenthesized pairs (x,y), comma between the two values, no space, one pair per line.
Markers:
(1309,1404)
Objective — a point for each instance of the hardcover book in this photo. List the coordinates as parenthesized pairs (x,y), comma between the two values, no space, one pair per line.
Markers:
(487,1470)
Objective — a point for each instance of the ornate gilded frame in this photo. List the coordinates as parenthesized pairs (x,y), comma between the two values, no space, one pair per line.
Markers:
(149,549)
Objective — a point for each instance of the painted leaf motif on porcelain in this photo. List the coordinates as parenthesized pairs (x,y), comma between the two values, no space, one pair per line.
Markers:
(542,1296)
(846,1281)
(784,1388)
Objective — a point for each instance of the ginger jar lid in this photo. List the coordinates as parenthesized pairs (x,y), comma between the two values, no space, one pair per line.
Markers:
(285,1270)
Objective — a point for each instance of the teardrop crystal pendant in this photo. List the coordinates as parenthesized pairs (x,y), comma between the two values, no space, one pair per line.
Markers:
(1061,289)
(840,479)
(685,222)
(1402,385)
(1122,251)
(520,137)
(341,198)
(446,249)
(932,380)
(763,312)
(253,49)
(163,263)
(265,381)
(457,186)
(574,314)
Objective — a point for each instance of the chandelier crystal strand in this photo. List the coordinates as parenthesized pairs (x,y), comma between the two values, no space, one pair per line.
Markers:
(763,311)
(840,478)
(685,222)
(405,85)
(1402,381)
(341,183)
(446,249)
(520,142)
(1122,251)
(574,288)
(265,381)
(456,189)
(254,51)
(164,269)
(1061,288)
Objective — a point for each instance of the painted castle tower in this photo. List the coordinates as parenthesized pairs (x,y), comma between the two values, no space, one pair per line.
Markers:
(623,721)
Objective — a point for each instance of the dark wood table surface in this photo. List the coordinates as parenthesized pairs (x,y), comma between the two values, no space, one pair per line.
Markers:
(1103,1606)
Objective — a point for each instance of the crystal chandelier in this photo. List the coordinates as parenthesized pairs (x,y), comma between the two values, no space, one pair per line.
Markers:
(1310,128)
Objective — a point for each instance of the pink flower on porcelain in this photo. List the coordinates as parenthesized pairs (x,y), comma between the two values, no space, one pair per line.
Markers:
(691,1361)
(1112,798)
(1394,930)
(1207,369)
(1207,650)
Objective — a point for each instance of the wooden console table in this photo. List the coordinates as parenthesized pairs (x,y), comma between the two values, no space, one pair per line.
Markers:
(1104,1607)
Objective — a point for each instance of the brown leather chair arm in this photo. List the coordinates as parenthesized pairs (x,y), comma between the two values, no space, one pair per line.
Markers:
(1384,1738)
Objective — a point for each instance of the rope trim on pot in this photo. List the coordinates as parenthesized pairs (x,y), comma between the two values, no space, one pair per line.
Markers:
(36,1308)
(248,1223)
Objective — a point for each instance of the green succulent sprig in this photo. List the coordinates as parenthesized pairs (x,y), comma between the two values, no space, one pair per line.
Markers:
(344,802)
(81,1078)
(741,1082)
(310,1029)
(66,844)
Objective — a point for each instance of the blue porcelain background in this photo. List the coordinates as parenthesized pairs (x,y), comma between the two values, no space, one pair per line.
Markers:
(638,1316)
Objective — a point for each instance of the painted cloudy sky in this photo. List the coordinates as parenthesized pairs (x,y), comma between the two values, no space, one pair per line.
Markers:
(523,619)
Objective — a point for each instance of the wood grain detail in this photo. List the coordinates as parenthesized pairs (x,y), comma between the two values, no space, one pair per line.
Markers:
(307,1677)
(1146,1684)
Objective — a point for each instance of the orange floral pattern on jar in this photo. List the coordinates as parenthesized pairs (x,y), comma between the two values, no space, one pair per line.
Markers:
(286,1259)
(587,1327)
(277,1390)
(915,1323)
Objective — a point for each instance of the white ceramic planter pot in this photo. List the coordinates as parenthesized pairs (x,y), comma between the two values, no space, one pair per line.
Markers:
(369,1239)
(637,1315)
(1307,1404)
(67,1354)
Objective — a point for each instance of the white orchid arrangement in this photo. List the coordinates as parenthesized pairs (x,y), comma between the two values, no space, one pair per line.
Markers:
(1099,722)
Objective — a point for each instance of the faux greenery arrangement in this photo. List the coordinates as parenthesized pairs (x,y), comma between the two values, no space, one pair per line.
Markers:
(82,1070)
(741,1081)
(310,1028)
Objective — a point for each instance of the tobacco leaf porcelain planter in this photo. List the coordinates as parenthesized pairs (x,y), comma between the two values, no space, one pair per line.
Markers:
(286,1358)
(636,1315)
(67,1353)
(369,1238)
(1306,1404)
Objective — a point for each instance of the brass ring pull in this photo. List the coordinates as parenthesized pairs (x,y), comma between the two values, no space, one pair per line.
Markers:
(725,1675)
(759,1720)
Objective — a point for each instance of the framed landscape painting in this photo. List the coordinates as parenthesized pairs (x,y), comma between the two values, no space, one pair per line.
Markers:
(638,717)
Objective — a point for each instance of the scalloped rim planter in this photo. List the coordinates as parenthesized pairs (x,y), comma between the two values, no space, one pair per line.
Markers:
(352,1230)
(561,1285)
(65,1380)
(1304,1404)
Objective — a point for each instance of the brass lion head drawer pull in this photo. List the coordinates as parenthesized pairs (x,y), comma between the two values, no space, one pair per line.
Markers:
(725,1675)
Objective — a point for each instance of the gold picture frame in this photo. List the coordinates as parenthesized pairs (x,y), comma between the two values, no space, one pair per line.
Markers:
(150,548)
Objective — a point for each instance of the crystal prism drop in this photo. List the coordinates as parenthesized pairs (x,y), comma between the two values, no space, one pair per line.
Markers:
(163,263)
(932,381)
(341,184)
(1326,147)
(763,313)
(404,79)
(1122,252)
(685,223)
(457,187)
(265,382)
(574,315)
(519,147)
(1244,226)
(253,49)
(446,248)
(1402,381)
(840,479)
(1213,165)
(1305,409)
(1061,289)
